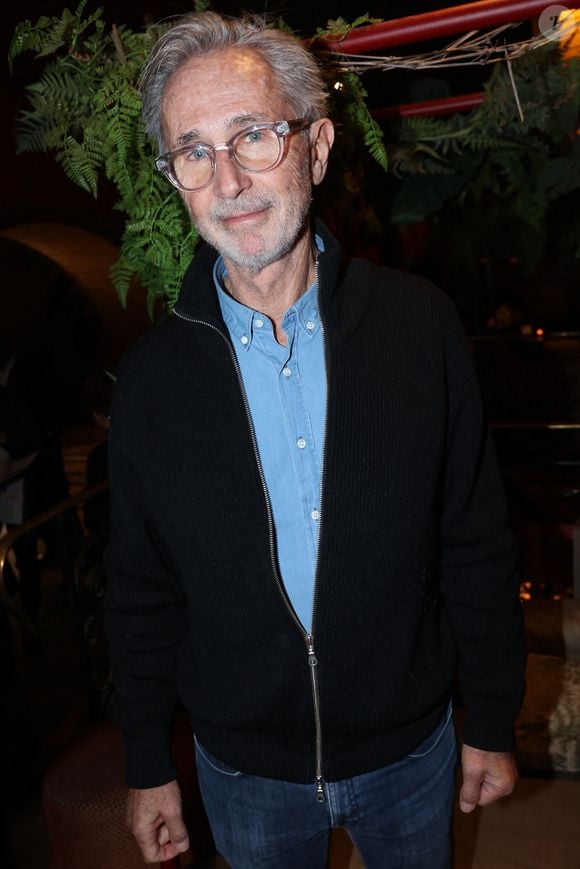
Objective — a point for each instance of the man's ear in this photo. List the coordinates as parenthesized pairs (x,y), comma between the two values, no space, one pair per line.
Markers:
(321,141)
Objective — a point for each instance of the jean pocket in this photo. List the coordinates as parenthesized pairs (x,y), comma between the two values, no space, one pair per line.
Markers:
(434,738)
(215,763)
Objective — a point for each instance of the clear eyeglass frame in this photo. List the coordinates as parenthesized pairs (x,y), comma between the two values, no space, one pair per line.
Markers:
(165,163)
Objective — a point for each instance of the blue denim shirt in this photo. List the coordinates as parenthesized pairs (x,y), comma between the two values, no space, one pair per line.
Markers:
(286,390)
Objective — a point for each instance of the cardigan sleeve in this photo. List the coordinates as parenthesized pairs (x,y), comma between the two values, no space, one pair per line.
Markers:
(144,609)
(480,583)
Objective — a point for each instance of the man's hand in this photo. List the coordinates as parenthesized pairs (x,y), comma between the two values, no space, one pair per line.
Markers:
(154,818)
(487,776)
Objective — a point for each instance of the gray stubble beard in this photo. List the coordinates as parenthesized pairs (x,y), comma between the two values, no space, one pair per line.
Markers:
(285,242)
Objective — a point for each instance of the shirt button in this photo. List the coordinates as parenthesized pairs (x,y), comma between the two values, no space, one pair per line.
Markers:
(286,371)
(258,323)
(315,515)
(244,339)
(300,443)
(310,325)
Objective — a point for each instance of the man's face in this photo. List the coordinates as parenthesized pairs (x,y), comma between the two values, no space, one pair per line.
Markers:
(251,219)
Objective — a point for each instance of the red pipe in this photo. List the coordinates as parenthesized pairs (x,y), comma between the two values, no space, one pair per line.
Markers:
(440,22)
(441,106)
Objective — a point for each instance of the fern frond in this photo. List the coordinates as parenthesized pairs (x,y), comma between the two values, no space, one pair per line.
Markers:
(36,132)
(26,37)
(338,29)
(359,118)
(121,274)
(80,164)
(373,139)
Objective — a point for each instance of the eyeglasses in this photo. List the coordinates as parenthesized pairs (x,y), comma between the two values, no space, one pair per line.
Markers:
(257,149)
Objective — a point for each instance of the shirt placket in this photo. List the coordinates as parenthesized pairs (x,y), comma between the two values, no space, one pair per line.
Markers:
(299,430)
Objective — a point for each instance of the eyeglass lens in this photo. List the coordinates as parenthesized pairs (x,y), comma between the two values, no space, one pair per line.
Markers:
(255,151)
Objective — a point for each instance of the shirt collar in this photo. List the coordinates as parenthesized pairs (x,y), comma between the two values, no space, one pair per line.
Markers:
(237,317)
(242,321)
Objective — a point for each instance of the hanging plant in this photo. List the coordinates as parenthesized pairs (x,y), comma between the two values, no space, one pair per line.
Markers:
(86,109)
(526,162)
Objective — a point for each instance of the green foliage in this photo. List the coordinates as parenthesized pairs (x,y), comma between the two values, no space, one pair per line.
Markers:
(358,119)
(561,175)
(86,108)
(338,29)
(50,34)
(490,155)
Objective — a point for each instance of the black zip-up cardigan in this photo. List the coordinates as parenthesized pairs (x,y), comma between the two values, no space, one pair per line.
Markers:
(416,573)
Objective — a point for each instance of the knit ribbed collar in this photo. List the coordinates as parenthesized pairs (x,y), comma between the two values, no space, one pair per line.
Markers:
(341,304)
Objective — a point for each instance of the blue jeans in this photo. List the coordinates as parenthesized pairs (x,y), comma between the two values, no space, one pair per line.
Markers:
(399,817)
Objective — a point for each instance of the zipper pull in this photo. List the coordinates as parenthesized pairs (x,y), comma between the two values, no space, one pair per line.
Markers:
(312,659)
(320,795)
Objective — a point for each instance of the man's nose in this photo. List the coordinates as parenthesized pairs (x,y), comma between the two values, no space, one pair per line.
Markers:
(229,179)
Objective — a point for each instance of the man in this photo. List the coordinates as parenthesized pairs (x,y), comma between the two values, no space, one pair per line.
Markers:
(308,525)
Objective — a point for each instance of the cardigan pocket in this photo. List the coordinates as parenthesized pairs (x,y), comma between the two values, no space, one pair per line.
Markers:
(215,763)
(430,744)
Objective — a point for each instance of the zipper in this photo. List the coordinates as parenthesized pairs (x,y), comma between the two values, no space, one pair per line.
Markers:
(313,664)
(308,636)
(324,430)
(312,659)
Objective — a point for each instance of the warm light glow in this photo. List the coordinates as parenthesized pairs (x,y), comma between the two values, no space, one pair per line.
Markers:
(569,21)
(540,333)
(338,86)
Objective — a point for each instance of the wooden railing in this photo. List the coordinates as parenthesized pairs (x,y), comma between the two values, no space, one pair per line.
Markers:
(7,542)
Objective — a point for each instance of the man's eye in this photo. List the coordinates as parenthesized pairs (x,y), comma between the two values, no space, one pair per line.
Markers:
(253,137)
(196,154)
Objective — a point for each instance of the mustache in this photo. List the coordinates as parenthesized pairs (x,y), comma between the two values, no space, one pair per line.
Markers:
(223,210)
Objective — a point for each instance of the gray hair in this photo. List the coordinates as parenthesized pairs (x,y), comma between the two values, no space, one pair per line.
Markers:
(198,34)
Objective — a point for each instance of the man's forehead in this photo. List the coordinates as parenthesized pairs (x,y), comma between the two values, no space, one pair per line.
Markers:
(233,87)
(233,63)
(244,61)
